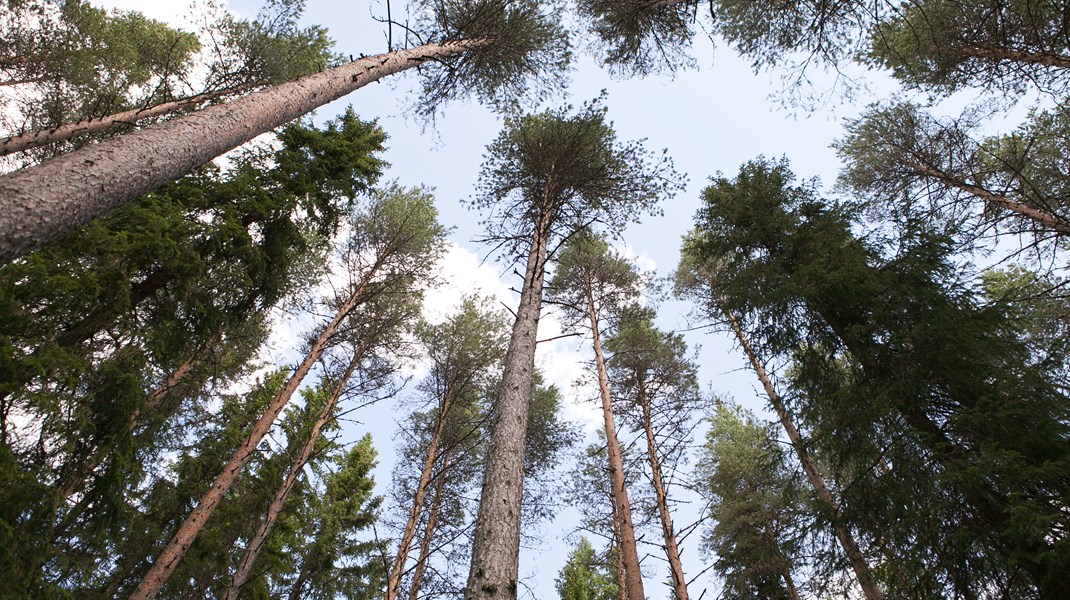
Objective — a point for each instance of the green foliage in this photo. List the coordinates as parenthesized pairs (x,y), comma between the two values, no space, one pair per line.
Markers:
(587,576)
(638,37)
(755,503)
(588,271)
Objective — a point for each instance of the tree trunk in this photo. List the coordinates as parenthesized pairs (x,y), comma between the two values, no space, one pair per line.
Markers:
(496,545)
(1043,218)
(112,122)
(393,583)
(785,572)
(672,551)
(633,578)
(256,543)
(163,567)
(622,587)
(813,473)
(429,529)
(45,201)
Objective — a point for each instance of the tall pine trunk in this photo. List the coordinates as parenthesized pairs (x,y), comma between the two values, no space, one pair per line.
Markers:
(633,578)
(672,551)
(256,543)
(429,530)
(165,564)
(393,582)
(496,545)
(45,201)
(107,123)
(813,473)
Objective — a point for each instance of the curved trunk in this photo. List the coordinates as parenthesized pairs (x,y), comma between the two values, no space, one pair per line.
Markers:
(496,545)
(429,530)
(256,543)
(633,578)
(167,561)
(112,122)
(813,473)
(45,201)
(393,582)
(672,551)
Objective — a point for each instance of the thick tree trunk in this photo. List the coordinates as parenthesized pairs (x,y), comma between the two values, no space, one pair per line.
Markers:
(163,567)
(112,122)
(813,473)
(256,543)
(45,201)
(633,578)
(1043,218)
(393,582)
(429,530)
(496,546)
(622,587)
(672,551)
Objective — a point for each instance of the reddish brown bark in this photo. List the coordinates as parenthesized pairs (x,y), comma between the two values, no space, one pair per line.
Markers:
(165,564)
(256,543)
(112,122)
(429,530)
(633,578)
(813,474)
(672,551)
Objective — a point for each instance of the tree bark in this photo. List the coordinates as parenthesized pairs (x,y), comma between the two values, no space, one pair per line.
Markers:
(154,580)
(672,551)
(496,545)
(256,543)
(429,530)
(854,555)
(112,122)
(633,578)
(393,583)
(45,201)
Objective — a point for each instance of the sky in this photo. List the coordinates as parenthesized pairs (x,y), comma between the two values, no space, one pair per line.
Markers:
(711,119)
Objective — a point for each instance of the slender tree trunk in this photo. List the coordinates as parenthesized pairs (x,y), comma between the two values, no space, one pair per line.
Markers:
(393,582)
(672,551)
(496,545)
(45,201)
(632,576)
(854,555)
(163,567)
(429,529)
(112,122)
(1047,59)
(1043,218)
(302,577)
(256,543)
(785,572)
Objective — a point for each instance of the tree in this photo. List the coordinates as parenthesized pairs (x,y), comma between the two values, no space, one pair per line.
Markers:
(591,282)
(910,372)
(547,176)
(491,48)
(391,246)
(586,576)
(754,503)
(656,389)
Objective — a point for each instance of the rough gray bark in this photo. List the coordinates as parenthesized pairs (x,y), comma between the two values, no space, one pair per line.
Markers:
(256,543)
(496,547)
(168,560)
(112,122)
(45,201)
(672,551)
(854,555)
(633,578)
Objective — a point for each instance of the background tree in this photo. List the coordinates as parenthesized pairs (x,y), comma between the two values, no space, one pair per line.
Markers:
(586,576)
(546,176)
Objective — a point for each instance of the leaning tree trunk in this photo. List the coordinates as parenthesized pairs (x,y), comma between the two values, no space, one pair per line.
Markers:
(672,551)
(176,549)
(393,582)
(854,555)
(633,578)
(256,543)
(107,123)
(45,201)
(429,529)
(496,545)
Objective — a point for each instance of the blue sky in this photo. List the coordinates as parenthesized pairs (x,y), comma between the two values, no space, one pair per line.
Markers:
(711,119)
